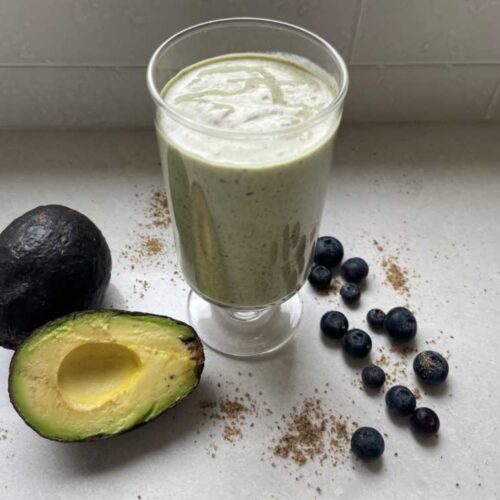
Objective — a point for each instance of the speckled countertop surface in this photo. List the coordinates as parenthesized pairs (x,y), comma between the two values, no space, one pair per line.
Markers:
(426,198)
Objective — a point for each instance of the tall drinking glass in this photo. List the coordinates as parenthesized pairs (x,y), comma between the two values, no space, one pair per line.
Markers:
(246,112)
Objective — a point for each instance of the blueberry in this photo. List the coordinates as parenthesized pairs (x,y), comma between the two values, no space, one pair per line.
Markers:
(357,343)
(430,367)
(373,376)
(334,324)
(400,324)
(424,421)
(320,277)
(329,251)
(354,270)
(400,401)
(367,443)
(375,318)
(350,292)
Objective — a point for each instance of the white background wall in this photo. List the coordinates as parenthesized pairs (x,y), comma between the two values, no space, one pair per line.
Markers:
(82,62)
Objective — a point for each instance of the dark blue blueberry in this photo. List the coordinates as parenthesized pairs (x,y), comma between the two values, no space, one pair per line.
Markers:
(400,324)
(357,343)
(320,277)
(375,318)
(400,401)
(350,292)
(334,324)
(367,443)
(424,421)
(430,367)
(373,376)
(329,251)
(354,270)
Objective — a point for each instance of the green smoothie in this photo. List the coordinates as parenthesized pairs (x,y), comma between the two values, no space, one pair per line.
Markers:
(246,161)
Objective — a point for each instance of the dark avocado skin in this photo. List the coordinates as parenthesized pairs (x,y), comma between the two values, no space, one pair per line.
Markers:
(195,347)
(53,261)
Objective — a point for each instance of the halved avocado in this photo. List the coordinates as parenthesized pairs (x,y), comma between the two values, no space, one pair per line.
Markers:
(96,374)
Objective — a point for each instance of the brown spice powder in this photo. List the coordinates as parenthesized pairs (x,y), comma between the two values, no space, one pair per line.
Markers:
(313,433)
(395,275)
(158,211)
(395,368)
(378,246)
(232,412)
(232,409)
(335,286)
(231,433)
(146,249)
(403,350)
(141,287)
(151,246)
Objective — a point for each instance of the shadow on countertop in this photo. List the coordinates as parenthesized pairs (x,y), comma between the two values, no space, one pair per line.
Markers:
(114,299)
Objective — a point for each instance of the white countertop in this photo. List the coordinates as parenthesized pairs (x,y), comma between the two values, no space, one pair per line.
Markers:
(430,195)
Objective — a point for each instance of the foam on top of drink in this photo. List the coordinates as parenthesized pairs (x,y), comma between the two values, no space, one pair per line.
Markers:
(250,92)
(258,96)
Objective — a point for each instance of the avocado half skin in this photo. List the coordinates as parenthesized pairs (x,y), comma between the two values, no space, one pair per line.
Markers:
(53,261)
(194,344)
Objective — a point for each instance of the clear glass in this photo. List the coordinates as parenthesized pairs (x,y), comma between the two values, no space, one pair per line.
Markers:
(245,227)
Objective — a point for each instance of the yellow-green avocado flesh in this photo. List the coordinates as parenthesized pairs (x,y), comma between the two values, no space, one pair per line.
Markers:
(97,374)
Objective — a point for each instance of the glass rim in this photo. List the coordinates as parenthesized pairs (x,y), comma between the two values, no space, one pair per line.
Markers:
(207,129)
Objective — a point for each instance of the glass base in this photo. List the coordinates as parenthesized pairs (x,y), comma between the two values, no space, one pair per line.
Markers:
(244,333)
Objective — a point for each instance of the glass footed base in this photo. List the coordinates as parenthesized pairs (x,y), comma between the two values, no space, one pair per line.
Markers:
(244,333)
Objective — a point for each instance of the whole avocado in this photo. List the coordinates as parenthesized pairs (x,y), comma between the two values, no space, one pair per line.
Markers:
(53,261)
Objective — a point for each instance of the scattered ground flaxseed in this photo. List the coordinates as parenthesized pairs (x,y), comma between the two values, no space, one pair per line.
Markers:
(151,246)
(158,212)
(378,246)
(395,368)
(232,412)
(335,286)
(403,350)
(145,248)
(231,433)
(313,433)
(148,244)
(395,275)
(141,287)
